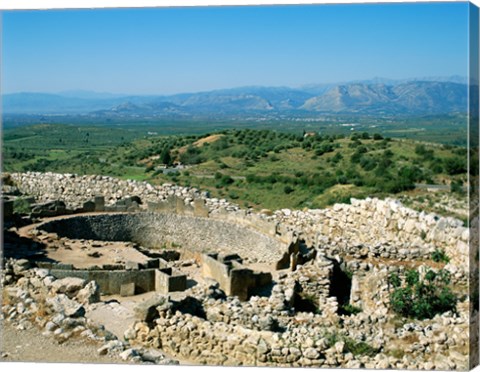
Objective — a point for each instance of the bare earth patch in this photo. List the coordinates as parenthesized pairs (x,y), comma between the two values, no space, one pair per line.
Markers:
(201,142)
(31,345)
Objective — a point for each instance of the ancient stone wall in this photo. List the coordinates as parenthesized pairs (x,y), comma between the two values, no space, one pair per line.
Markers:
(74,190)
(233,278)
(364,228)
(380,228)
(110,281)
(156,230)
(167,280)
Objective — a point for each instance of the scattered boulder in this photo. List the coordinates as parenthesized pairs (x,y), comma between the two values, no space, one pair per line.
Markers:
(69,286)
(146,311)
(89,294)
(62,304)
(21,265)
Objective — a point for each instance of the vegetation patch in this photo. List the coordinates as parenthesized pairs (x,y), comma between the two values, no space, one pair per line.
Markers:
(351,346)
(262,168)
(422,297)
(439,255)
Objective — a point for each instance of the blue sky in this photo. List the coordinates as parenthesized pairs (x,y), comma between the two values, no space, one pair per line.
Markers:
(171,50)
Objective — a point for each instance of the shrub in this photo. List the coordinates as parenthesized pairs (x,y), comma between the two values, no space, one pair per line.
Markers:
(288,190)
(455,165)
(336,158)
(422,298)
(359,348)
(165,157)
(394,280)
(191,156)
(388,153)
(226,180)
(323,148)
(368,163)
(457,187)
(351,346)
(436,167)
(21,206)
(420,150)
(439,255)
(350,309)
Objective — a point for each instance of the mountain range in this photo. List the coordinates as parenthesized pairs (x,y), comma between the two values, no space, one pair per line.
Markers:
(373,97)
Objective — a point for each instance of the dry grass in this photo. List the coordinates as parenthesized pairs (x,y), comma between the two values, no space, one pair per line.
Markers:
(410,339)
(7,299)
(201,142)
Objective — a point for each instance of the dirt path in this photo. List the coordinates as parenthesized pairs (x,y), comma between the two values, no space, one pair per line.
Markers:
(31,346)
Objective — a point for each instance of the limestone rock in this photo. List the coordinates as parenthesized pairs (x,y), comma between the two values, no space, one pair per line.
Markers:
(62,304)
(146,311)
(69,286)
(128,354)
(89,294)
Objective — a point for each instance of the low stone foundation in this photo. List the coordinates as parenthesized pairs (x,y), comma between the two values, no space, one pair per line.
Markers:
(234,279)
(157,230)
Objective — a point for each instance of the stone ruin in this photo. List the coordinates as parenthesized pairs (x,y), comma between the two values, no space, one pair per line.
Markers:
(246,288)
(233,278)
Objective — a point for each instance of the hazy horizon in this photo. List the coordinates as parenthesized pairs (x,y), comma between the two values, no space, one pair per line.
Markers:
(78,92)
(164,51)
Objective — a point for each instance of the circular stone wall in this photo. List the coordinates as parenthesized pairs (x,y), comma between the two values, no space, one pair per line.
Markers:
(154,230)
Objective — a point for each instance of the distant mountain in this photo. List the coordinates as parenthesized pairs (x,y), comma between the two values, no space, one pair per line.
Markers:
(375,97)
(226,102)
(319,89)
(419,97)
(87,94)
(140,109)
(44,103)
(351,98)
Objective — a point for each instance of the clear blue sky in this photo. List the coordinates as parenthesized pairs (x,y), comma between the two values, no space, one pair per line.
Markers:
(170,50)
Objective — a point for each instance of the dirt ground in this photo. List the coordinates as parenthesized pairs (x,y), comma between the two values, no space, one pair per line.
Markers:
(31,345)
(86,254)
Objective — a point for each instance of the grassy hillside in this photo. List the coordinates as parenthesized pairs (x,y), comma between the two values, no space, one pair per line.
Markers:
(272,170)
(255,168)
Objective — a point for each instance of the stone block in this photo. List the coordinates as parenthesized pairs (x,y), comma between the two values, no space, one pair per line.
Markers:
(120,208)
(177,283)
(99,203)
(127,289)
(133,207)
(166,281)
(188,210)
(180,206)
(153,263)
(7,208)
(131,265)
(89,206)
(133,200)
(146,311)
(152,206)
(62,304)
(69,286)
(199,208)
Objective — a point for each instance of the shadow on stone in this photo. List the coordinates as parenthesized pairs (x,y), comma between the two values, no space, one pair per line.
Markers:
(341,285)
(17,247)
(192,306)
